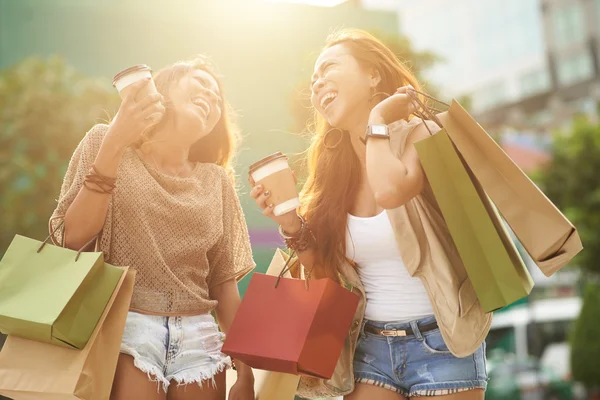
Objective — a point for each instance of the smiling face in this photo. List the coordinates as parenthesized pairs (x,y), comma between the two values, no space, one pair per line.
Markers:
(196,103)
(342,87)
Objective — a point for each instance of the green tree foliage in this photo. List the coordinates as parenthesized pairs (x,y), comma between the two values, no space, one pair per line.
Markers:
(585,345)
(572,181)
(45,109)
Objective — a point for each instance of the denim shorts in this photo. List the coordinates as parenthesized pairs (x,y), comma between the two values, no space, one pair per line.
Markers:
(416,365)
(181,349)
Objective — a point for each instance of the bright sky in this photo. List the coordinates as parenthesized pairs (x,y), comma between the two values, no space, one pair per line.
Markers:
(321,3)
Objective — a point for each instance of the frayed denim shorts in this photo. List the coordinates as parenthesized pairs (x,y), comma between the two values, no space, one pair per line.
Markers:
(181,349)
(416,365)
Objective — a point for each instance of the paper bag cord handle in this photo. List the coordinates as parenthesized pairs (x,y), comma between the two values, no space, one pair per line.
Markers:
(430,98)
(51,235)
(52,232)
(424,109)
(424,112)
(287,267)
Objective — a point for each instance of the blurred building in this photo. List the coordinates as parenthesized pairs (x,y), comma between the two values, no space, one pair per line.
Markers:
(523,63)
(526,66)
(530,64)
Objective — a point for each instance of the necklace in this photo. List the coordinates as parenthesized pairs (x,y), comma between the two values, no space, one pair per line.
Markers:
(158,169)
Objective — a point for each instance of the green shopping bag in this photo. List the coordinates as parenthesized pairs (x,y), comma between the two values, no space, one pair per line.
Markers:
(53,294)
(493,264)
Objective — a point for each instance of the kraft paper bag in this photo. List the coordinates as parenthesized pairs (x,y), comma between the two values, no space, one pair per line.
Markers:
(31,370)
(494,266)
(547,235)
(52,294)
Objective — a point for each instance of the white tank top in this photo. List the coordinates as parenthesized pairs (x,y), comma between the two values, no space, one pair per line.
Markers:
(392,294)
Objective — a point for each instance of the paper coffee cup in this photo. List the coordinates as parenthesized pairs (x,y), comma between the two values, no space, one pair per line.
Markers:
(275,175)
(123,80)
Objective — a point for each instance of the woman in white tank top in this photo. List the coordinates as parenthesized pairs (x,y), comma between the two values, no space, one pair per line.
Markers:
(360,86)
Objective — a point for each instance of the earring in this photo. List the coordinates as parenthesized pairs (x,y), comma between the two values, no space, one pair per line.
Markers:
(337,143)
(375,94)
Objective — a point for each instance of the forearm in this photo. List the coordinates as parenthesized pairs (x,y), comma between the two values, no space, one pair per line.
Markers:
(229,301)
(85,217)
(306,257)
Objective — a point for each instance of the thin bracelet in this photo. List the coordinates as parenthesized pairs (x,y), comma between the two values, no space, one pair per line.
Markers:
(298,234)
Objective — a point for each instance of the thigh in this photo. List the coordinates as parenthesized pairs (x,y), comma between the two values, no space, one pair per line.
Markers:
(432,370)
(363,391)
(475,394)
(194,391)
(132,383)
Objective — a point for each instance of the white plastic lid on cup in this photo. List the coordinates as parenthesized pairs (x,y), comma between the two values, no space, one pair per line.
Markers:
(131,75)
(268,165)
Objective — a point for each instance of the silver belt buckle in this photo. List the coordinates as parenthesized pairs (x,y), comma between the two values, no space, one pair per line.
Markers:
(395,332)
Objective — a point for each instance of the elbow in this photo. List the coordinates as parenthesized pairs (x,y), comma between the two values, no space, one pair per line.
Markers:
(394,197)
(70,237)
(389,199)
(72,242)
(75,238)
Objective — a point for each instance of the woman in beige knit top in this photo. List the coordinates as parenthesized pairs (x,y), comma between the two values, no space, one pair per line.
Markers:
(164,204)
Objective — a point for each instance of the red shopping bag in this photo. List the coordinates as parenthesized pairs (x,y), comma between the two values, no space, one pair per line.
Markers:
(291,325)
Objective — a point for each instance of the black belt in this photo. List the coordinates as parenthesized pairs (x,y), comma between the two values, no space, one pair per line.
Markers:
(400,332)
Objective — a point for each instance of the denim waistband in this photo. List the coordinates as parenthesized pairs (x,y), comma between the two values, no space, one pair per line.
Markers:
(401,325)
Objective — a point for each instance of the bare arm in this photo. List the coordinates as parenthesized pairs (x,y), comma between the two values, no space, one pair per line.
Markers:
(308,257)
(290,223)
(86,214)
(228,296)
(394,180)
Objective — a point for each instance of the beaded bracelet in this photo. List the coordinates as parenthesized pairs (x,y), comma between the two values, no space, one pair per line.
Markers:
(302,241)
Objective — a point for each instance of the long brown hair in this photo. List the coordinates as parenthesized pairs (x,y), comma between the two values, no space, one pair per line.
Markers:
(218,146)
(334,173)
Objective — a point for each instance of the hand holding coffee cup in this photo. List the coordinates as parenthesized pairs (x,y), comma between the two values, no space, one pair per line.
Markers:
(140,110)
(274,189)
(124,82)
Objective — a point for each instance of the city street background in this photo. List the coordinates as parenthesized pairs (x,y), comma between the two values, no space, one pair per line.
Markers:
(527,70)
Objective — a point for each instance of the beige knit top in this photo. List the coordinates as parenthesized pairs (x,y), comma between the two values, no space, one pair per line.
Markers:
(183,236)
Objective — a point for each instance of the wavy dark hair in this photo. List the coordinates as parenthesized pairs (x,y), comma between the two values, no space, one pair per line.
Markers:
(334,174)
(220,145)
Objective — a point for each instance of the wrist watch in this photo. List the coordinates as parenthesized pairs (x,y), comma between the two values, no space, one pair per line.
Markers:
(378,131)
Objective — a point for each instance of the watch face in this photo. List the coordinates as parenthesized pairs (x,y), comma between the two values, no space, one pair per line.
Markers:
(379,130)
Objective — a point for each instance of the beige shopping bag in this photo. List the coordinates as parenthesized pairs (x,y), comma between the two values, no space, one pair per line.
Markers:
(547,235)
(32,370)
(497,272)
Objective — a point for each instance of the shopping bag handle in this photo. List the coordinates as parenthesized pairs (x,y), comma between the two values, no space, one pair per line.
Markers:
(287,267)
(423,111)
(53,231)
